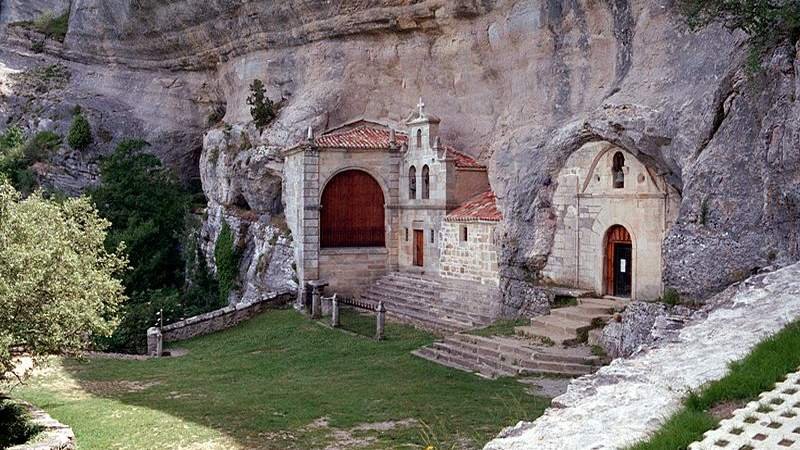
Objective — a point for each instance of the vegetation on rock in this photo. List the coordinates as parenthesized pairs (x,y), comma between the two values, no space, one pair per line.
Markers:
(227,260)
(15,425)
(58,282)
(80,132)
(262,109)
(766,22)
(52,26)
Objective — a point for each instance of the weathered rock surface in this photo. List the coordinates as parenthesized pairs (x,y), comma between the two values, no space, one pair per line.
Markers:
(243,185)
(641,324)
(623,402)
(521,83)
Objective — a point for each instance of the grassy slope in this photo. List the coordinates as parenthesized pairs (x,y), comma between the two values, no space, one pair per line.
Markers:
(767,364)
(261,384)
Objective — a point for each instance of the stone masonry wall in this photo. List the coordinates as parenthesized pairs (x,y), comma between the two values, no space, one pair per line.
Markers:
(220,319)
(351,270)
(54,435)
(473,260)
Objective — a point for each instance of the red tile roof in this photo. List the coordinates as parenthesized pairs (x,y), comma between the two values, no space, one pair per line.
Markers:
(481,207)
(370,136)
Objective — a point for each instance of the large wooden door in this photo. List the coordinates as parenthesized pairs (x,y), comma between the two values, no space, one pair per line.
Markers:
(352,212)
(419,248)
(618,270)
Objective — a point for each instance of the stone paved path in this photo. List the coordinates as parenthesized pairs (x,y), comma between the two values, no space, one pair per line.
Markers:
(771,422)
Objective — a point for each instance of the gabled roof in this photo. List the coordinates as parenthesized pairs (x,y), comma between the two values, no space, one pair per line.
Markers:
(482,207)
(365,135)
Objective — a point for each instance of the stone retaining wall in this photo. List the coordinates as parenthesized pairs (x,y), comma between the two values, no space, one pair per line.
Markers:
(55,436)
(213,321)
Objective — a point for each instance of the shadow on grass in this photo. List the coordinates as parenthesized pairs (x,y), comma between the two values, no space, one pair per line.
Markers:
(282,381)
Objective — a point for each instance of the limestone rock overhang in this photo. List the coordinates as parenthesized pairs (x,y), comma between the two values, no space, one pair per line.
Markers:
(480,208)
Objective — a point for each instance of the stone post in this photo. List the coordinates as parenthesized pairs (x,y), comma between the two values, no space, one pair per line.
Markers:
(334,311)
(155,342)
(316,298)
(381,319)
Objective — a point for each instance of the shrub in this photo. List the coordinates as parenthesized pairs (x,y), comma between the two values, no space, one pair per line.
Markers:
(227,261)
(80,132)
(52,26)
(262,109)
(766,22)
(12,137)
(671,297)
(41,146)
(141,312)
(15,425)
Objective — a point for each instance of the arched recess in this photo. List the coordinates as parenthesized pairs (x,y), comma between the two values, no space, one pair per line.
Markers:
(352,212)
(426,183)
(618,262)
(412,183)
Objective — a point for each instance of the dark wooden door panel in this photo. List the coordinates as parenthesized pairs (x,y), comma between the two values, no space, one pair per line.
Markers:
(616,235)
(352,212)
(419,248)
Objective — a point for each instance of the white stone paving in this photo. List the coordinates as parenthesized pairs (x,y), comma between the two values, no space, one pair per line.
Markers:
(771,422)
(624,402)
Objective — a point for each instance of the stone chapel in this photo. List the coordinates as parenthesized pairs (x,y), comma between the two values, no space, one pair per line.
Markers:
(364,200)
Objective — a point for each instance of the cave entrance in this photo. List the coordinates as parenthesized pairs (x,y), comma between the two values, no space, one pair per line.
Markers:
(618,262)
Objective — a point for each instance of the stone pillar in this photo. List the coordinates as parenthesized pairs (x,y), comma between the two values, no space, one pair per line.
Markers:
(155,342)
(334,311)
(381,319)
(316,298)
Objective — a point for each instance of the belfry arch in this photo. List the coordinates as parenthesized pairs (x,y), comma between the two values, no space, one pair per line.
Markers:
(612,215)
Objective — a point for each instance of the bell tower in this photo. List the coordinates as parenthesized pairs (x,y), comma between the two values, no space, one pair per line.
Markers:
(423,130)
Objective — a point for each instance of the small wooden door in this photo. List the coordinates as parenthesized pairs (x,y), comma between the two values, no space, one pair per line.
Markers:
(419,248)
(618,262)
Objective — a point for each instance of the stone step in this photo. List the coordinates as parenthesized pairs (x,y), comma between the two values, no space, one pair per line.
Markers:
(407,289)
(616,305)
(511,363)
(520,349)
(538,333)
(397,300)
(579,313)
(454,362)
(560,324)
(423,318)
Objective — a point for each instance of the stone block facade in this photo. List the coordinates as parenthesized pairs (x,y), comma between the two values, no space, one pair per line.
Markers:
(587,205)
(472,259)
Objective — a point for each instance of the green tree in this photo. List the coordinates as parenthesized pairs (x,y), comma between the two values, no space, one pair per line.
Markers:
(766,22)
(58,282)
(80,132)
(262,109)
(227,260)
(18,154)
(146,206)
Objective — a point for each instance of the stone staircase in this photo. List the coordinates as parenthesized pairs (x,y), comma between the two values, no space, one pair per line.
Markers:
(432,304)
(570,325)
(497,356)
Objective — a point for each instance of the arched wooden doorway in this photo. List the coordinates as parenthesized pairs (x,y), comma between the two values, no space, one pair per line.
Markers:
(352,212)
(618,262)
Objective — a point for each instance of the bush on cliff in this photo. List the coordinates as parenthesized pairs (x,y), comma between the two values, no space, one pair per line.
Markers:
(80,132)
(227,260)
(766,22)
(17,155)
(262,108)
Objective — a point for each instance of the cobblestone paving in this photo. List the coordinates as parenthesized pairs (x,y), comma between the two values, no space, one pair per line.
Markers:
(771,422)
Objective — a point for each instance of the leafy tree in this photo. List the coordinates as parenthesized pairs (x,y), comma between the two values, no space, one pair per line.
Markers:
(18,154)
(227,259)
(766,22)
(58,282)
(80,132)
(146,206)
(262,109)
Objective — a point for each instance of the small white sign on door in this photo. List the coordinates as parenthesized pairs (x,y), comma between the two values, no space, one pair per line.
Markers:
(623,265)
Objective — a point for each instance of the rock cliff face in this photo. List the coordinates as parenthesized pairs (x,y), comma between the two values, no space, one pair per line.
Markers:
(520,83)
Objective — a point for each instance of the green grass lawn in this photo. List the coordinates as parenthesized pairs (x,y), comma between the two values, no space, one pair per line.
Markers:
(768,363)
(280,381)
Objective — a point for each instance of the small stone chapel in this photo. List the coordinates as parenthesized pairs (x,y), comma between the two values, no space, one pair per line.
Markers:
(364,200)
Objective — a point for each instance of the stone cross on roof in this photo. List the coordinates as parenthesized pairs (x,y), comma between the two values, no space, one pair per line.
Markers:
(421,106)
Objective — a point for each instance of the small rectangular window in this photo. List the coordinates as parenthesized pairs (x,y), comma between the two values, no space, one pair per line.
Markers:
(406,234)
(464,234)
(433,236)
